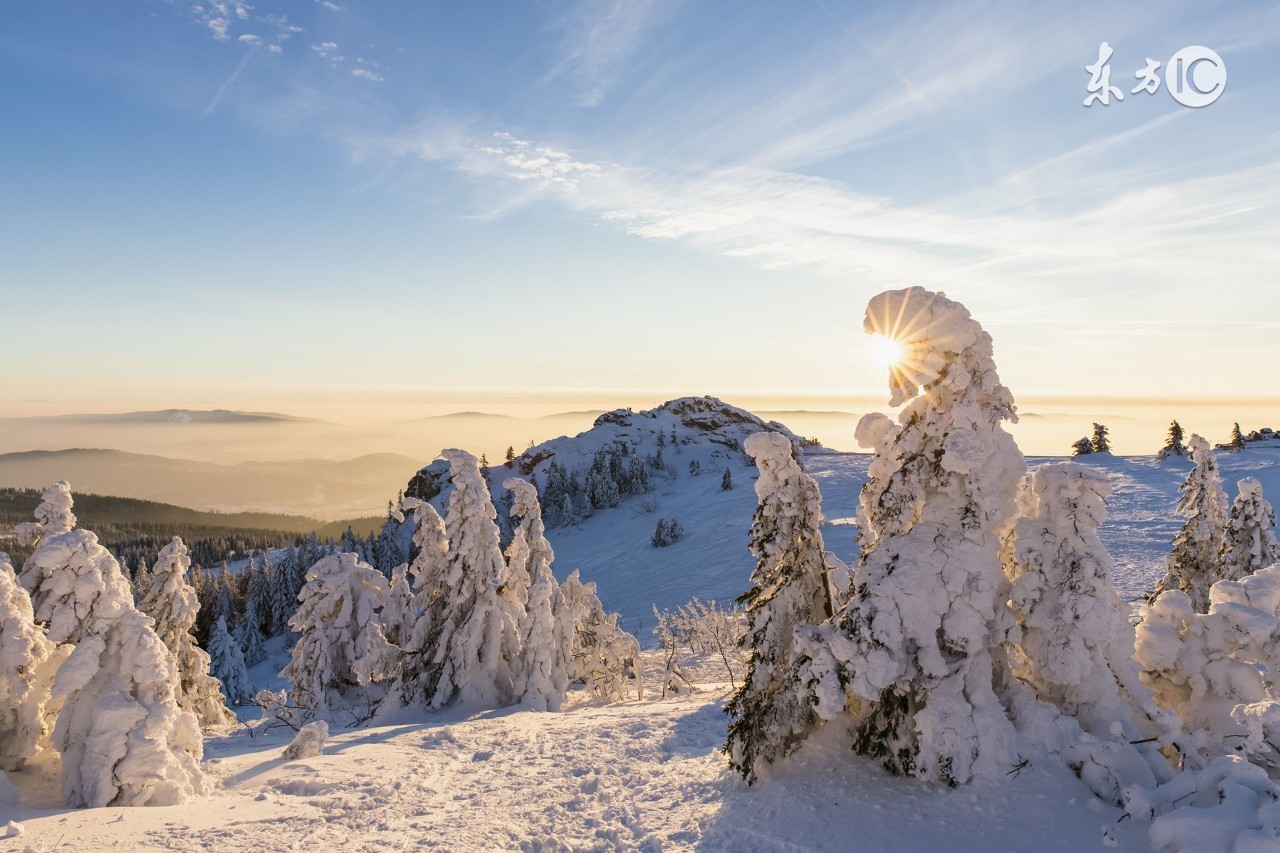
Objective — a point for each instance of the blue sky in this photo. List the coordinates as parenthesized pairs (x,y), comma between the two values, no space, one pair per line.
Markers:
(289,200)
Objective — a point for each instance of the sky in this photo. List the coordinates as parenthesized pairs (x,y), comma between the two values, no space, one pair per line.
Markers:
(271,204)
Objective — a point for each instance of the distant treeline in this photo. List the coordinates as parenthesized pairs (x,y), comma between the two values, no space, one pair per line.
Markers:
(135,530)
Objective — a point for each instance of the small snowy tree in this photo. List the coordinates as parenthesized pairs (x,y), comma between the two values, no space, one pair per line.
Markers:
(28,662)
(541,672)
(1101,439)
(470,641)
(1249,541)
(173,606)
(726,481)
(918,646)
(341,648)
(1236,441)
(226,663)
(1194,565)
(398,613)
(1082,447)
(141,580)
(771,713)
(605,656)
(1173,443)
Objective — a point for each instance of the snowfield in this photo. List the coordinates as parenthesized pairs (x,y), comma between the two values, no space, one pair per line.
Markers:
(644,775)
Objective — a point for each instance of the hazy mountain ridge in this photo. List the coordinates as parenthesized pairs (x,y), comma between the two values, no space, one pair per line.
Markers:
(165,416)
(314,487)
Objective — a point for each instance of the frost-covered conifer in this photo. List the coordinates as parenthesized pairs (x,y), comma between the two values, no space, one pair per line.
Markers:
(173,606)
(789,587)
(141,580)
(1236,442)
(28,662)
(919,644)
(1194,566)
(341,647)
(249,631)
(124,739)
(541,672)
(432,582)
(226,663)
(1074,644)
(1173,443)
(474,620)
(1249,541)
(1101,439)
(605,656)
(1082,447)
(280,604)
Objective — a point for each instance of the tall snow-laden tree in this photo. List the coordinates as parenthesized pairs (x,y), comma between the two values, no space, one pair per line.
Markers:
(28,662)
(1194,564)
(256,603)
(1173,443)
(387,547)
(470,641)
(281,604)
(124,739)
(141,580)
(918,645)
(770,712)
(1101,439)
(173,606)
(540,675)
(433,583)
(226,663)
(1249,540)
(341,648)
(398,613)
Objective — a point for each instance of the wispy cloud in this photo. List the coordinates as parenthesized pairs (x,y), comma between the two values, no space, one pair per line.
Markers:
(598,37)
(366,74)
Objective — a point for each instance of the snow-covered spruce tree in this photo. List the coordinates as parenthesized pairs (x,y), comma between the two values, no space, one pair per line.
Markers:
(1236,442)
(605,657)
(420,667)
(1101,439)
(123,737)
(249,631)
(141,580)
(726,481)
(540,676)
(770,713)
(28,662)
(475,621)
(919,644)
(281,604)
(1082,447)
(1074,644)
(226,663)
(1193,566)
(341,648)
(1249,541)
(173,606)
(1173,443)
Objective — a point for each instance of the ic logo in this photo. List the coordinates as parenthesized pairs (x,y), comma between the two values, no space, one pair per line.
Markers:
(1195,76)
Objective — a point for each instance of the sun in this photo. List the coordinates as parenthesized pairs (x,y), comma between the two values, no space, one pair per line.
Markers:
(886,351)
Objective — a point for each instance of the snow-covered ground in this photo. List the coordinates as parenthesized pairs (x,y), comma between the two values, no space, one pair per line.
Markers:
(644,775)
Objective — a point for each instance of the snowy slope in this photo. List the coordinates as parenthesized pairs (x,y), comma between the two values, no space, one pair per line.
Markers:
(634,776)
(613,546)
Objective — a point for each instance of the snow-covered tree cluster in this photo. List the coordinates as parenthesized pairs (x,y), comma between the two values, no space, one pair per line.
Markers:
(981,626)
(462,622)
(125,702)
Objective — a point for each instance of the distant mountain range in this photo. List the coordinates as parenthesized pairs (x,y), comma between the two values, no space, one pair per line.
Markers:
(312,487)
(164,416)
